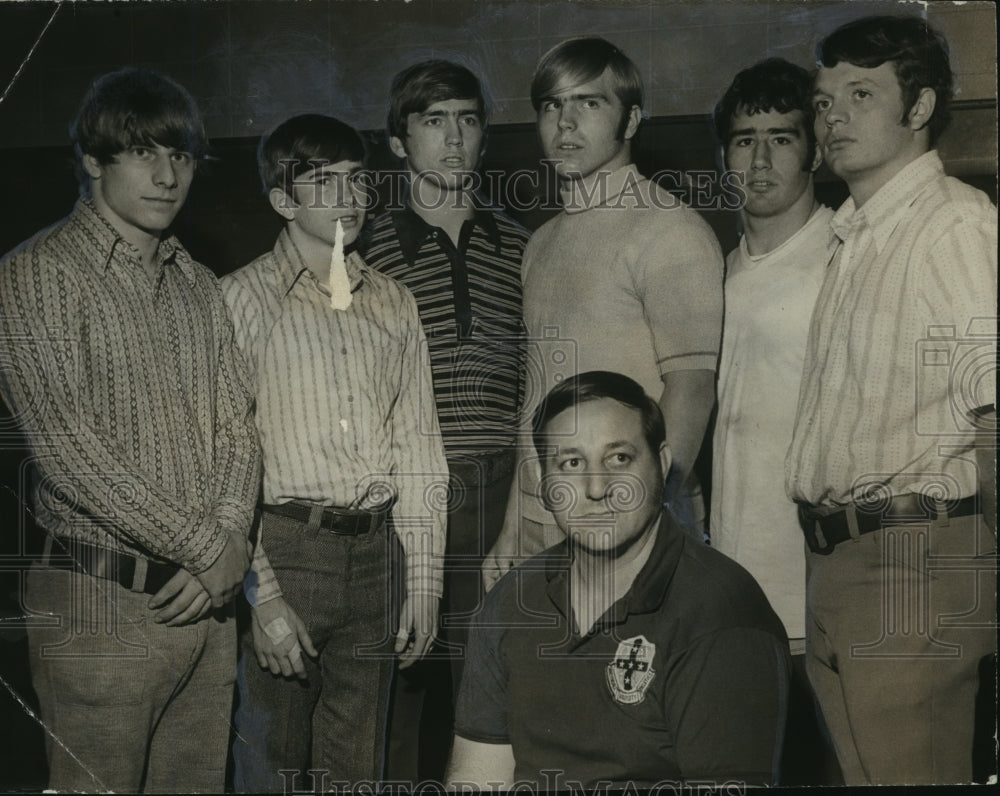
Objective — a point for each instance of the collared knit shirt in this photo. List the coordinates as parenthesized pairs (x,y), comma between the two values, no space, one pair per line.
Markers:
(130,392)
(628,279)
(684,678)
(469,298)
(345,406)
(902,343)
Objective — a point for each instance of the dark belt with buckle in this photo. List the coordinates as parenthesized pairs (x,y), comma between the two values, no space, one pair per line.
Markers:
(825,529)
(100,562)
(343,522)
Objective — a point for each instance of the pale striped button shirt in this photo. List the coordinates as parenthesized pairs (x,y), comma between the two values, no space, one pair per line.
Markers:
(130,392)
(345,405)
(902,344)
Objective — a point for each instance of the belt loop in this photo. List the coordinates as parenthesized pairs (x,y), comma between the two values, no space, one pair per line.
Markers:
(851,516)
(139,576)
(822,544)
(316,517)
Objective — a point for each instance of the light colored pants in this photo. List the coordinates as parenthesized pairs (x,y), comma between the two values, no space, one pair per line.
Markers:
(897,622)
(128,705)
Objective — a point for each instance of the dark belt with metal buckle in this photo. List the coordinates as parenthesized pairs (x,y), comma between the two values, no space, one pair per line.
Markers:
(100,562)
(344,522)
(825,530)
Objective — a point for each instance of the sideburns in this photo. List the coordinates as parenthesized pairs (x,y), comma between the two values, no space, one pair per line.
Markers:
(623,125)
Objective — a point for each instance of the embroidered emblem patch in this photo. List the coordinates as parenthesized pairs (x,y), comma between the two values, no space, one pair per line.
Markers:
(631,671)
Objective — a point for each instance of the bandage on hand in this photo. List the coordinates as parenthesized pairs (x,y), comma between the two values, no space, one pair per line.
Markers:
(282,636)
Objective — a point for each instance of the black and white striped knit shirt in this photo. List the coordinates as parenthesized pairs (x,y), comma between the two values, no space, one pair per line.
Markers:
(469,299)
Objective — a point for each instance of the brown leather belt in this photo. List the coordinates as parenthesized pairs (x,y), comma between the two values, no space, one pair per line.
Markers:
(343,522)
(100,562)
(825,529)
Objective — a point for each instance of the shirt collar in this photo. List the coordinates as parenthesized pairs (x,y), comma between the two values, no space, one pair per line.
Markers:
(599,188)
(752,260)
(413,231)
(291,266)
(106,240)
(886,207)
(649,589)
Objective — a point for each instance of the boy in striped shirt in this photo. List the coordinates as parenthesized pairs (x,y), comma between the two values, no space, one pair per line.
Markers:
(352,461)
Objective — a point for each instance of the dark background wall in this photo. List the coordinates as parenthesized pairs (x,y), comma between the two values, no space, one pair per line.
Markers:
(252,64)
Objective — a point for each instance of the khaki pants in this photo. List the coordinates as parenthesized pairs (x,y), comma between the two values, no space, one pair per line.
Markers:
(129,705)
(897,622)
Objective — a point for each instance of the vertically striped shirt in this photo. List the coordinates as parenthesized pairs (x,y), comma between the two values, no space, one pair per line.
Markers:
(129,391)
(469,299)
(902,344)
(345,406)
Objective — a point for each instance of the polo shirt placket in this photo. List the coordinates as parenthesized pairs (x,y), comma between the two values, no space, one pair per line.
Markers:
(469,298)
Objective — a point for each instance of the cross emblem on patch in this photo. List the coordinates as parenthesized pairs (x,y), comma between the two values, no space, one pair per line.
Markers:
(631,670)
(632,663)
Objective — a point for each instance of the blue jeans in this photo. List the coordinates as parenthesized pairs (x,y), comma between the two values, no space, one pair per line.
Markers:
(130,705)
(334,721)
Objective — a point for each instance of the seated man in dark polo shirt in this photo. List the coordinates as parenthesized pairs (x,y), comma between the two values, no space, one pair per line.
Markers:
(628,653)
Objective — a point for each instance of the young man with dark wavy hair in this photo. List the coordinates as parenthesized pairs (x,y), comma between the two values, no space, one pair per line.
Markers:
(764,127)
(899,377)
(119,361)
